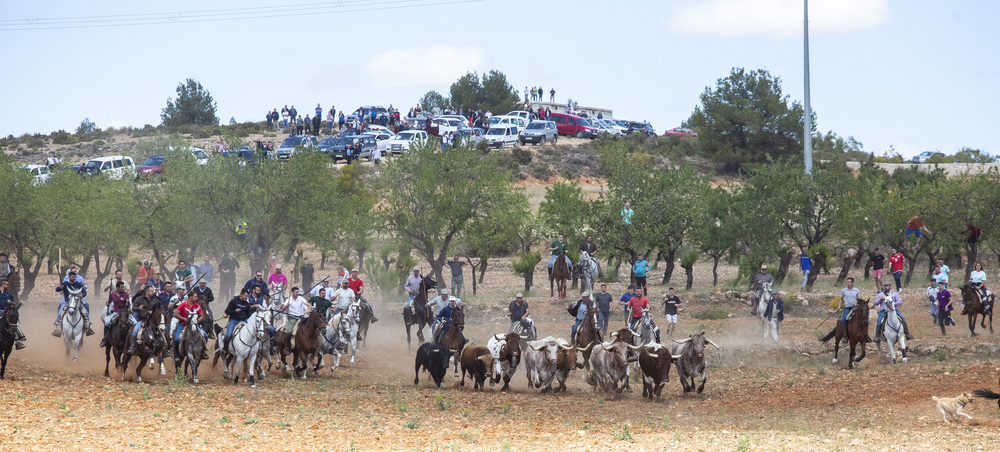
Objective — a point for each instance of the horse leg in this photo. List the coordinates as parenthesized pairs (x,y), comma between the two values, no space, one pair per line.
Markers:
(253,363)
(237,368)
(836,347)
(138,370)
(850,358)
(972,324)
(407,334)
(107,360)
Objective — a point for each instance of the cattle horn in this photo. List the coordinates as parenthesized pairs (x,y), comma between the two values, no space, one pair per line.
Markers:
(676,357)
(682,341)
(524,337)
(634,347)
(713,343)
(498,337)
(653,355)
(435,351)
(606,347)
(614,334)
(566,347)
(633,332)
(587,347)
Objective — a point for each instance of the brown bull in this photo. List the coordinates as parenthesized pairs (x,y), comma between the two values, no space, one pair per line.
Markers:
(566,362)
(654,361)
(478,363)
(506,351)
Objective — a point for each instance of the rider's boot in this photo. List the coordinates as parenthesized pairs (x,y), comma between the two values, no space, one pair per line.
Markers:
(58,330)
(19,345)
(371,312)
(906,332)
(878,332)
(86,327)
(131,345)
(104,340)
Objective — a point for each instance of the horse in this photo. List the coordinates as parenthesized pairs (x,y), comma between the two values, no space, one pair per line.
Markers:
(264,351)
(589,268)
(72,324)
(417,314)
(558,275)
(331,342)
(857,332)
(526,329)
(452,338)
(243,348)
(149,343)
(974,307)
(8,334)
(364,322)
(587,335)
(348,324)
(647,332)
(763,305)
(892,331)
(190,348)
(278,298)
(117,342)
(306,344)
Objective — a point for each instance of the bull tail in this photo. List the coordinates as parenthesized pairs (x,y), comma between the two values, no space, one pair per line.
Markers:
(986,394)
(828,336)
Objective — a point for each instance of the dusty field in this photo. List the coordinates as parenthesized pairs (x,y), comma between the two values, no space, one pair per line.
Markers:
(758,396)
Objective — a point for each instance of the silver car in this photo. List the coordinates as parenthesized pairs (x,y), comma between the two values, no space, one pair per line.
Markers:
(539,132)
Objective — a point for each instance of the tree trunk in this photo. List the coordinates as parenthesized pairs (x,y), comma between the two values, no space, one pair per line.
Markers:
(783,264)
(913,266)
(482,271)
(972,255)
(862,252)
(868,266)
(28,275)
(668,269)
(813,274)
(473,267)
(715,270)
(48,270)
(361,258)
(529,279)
(322,261)
(101,273)
(689,271)
(846,260)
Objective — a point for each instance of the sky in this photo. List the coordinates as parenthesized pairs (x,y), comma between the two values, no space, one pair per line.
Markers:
(916,75)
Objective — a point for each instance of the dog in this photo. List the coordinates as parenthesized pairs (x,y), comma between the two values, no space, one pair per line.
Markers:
(953,406)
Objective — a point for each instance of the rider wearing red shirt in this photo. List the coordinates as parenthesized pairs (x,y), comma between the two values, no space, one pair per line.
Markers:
(181,313)
(354,283)
(637,304)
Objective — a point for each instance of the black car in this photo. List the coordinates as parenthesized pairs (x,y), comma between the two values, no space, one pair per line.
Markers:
(641,127)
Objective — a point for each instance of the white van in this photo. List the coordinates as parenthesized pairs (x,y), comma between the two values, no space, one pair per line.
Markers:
(501,136)
(115,167)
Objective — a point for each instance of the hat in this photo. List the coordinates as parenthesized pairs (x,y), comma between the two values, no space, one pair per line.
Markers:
(278,266)
(763,267)
(203,282)
(416,268)
(444,291)
(179,283)
(585,294)
(887,283)
(354,270)
(519,295)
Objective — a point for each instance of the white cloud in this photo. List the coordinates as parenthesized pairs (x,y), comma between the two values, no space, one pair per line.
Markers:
(773,18)
(907,150)
(421,66)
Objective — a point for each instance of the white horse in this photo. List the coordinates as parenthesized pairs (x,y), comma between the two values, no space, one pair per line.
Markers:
(72,323)
(278,298)
(331,342)
(348,324)
(244,347)
(892,331)
(589,268)
(765,299)
(264,352)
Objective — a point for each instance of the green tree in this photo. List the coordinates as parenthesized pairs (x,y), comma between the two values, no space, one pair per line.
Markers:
(564,211)
(717,234)
(194,105)
(432,199)
(747,119)
(86,127)
(491,92)
(467,92)
(969,155)
(430,100)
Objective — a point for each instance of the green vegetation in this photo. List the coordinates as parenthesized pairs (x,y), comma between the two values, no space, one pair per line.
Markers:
(193,105)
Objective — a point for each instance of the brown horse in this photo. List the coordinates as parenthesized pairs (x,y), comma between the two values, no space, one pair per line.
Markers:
(452,338)
(588,335)
(306,343)
(974,307)
(857,332)
(558,275)
(150,343)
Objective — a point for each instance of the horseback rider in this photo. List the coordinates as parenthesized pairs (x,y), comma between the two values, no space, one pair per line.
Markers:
(559,245)
(257,281)
(324,286)
(358,286)
(412,286)
(112,285)
(888,296)
(184,276)
(443,318)
(297,308)
(191,306)
(239,310)
(591,248)
(758,284)
(175,301)
(258,298)
(277,278)
(73,283)
(518,310)
(7,300)
(977,279)
(440,302)
(636,305)
(142,309)
(849,295)
(117,301)
(321,303)
(342,297)
(205,295)
(582,306)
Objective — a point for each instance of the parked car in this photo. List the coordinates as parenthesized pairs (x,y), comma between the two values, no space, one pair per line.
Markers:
(198,154)
(382,138)
(502,121)
(603,127)
(501,136)
(574,126)
(642,127)
(680,132)
(527,116)
(403,140)
(151,167)
(288,145)
(115,167)
(40,174)
(924,156)
(539,132)
(339,151)
(472,135)
(441,125)
(243,156)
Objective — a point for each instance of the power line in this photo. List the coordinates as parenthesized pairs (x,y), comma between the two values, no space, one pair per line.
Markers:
(218,15)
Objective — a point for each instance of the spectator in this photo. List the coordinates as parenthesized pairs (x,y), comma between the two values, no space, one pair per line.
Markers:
(552,95)
(625,298)
(456,275)
(329,123)
(878,267)
(627,214)
(284,117)
(896,267)
(293,113)
(227,275)
(944,269)
(974,234)
(603,299)
(806,265)
(340,121)
(670,308)
(639,269)
(270,124)
(208,270)
(299,125)
(944,307)
(307,272)
(319,111)
(913,227)
(317,121)
(141,274)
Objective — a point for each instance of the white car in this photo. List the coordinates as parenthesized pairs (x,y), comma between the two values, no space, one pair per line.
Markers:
(447,124)
(502,121)
(372,128)
(115,167)
(403,140)
(924,156)
(382,138)
(523,115)
(501,136)
(40,174)
(603,127)
(199,154)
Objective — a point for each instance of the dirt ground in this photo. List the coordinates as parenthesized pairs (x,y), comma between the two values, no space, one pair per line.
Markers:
(758,396)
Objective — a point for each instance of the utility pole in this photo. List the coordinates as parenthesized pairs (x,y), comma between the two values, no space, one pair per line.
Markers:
(807,135)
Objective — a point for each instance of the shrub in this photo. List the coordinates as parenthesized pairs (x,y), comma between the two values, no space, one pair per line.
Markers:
(713,313)
(62,137)
(522,155)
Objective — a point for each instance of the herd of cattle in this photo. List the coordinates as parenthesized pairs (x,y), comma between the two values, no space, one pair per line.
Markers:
(606,364)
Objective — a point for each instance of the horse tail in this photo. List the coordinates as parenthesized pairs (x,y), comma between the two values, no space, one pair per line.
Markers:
(828,336)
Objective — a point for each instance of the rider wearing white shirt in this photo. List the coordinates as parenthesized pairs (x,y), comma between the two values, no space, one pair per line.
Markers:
(297,308)
(977,279)
(342,298)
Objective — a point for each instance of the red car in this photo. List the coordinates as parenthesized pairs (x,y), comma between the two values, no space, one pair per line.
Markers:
(573,125)
(680,132)
(153,166)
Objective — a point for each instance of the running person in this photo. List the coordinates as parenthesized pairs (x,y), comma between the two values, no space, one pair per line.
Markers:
(896,267)
(670,307)
(878,268)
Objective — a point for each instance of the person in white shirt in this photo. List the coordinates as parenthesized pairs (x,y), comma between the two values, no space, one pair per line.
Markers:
(977,279)
(439,303)
(324,285)
(944,269)
(297,308)
(342,299)
(932,297)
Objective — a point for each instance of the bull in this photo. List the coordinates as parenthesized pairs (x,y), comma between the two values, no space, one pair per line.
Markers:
(540,361)
(690,360)
(434,359)
(655,361)
(478,363)
(566,362)
(609,366)
(506,351)
(626,335)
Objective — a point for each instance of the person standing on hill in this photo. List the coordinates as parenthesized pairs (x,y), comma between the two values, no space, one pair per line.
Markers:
(284,117)
(317,121)
(806,265)
(457,279)
(639,269)
(552,95)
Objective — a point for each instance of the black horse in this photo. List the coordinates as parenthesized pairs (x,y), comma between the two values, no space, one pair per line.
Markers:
(417,314)
(117,336)
(8,334)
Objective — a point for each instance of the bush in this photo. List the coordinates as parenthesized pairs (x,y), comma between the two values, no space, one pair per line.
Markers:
(522,155)
(689,259)
(713,313)
(540,170)
(62,137)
